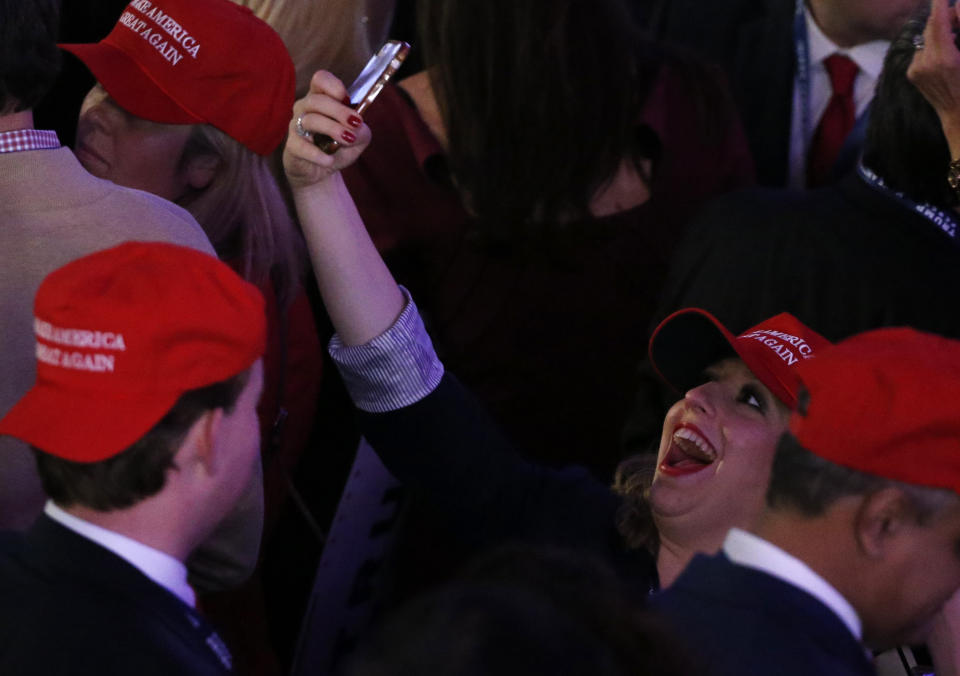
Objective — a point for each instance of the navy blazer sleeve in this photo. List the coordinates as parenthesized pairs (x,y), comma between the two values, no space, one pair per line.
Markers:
(450,451)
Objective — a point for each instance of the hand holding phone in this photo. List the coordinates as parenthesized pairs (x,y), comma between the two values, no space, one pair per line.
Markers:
(379,69)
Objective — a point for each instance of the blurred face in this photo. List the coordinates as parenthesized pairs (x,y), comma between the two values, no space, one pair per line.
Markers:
(924,573)
(851,22)
(128,150)
(716,450)
(884,19)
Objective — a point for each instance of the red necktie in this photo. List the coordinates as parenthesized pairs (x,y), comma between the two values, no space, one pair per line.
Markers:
(837,121)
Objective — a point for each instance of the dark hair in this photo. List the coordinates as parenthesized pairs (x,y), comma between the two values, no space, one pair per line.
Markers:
(809,484)
(140,470)
(29,57)
(541,101)
(525,610)
(905,144)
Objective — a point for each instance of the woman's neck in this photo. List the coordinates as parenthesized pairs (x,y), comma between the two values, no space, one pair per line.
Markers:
(421,93)
(672,558)
(675,552)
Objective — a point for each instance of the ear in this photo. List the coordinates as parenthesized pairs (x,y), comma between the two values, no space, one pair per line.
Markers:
(201,170)
(880,518)
(199,447)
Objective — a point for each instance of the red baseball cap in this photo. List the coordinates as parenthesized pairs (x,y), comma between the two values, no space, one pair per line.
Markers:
(196,62)
(690,340)
(121,334)
(886,402)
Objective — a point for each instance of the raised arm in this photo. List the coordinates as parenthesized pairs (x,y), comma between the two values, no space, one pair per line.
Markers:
(359,292)
(428,430)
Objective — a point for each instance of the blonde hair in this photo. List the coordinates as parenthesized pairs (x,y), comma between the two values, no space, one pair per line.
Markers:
(244,213)
(334,35)
(632,482)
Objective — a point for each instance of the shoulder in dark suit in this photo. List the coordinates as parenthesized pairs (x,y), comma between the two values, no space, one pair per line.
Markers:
(743,621)
(69,606)
(843,259)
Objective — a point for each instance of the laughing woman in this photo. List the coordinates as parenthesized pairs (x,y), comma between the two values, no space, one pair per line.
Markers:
(717,444)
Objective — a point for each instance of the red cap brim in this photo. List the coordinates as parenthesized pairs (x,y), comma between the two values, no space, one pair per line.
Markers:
(98,429)
(129,85)
(688,341)
(685,343)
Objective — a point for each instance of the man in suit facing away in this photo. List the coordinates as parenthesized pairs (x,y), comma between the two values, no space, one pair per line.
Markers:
(860,543)
(144,427)
(803,73)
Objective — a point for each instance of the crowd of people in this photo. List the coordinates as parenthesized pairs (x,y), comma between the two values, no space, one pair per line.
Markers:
(646,310)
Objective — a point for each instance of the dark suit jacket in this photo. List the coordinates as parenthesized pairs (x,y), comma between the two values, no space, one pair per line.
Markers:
(743,621)
(753,42)
(68,606)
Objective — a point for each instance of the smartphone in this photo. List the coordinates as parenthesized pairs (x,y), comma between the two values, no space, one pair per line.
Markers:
(379,69)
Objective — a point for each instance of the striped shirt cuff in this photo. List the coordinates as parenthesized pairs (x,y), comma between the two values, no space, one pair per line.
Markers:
(396,369)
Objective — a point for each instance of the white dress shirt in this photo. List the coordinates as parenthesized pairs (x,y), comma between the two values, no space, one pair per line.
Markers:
(746,549)
(868,57)
(160,567)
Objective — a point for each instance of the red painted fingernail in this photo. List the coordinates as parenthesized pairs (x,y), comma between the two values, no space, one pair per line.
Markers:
(348,136)
(354,121)
(345,100)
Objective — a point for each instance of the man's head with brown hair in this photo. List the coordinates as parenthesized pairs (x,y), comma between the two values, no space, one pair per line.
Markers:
(148,375)
(864,488)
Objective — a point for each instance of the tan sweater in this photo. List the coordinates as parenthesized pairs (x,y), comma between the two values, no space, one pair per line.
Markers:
(52,212)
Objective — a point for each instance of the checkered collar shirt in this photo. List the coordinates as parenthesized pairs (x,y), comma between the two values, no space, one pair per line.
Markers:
(28,139)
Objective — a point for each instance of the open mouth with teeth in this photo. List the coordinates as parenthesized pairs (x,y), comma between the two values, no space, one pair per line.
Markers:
(689,452)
